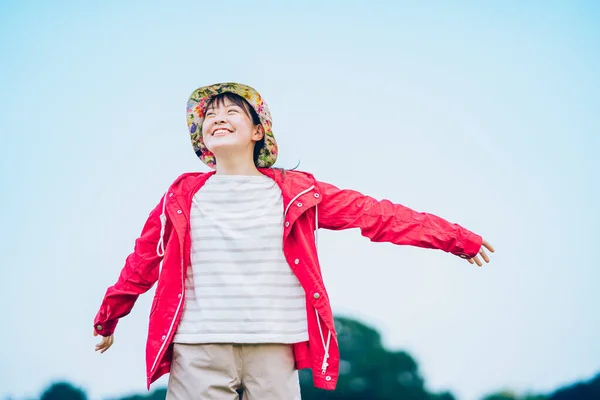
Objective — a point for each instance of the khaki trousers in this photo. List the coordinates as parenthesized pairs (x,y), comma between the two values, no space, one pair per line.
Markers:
(218,371)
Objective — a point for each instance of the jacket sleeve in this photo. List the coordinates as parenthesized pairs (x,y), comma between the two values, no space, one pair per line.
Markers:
(138,275)
(384,221)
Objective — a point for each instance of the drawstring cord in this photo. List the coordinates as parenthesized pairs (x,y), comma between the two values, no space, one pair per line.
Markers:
(325,364)
(160,247)
(295,197)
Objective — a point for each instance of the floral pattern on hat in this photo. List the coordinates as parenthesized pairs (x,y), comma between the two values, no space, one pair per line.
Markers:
(196,107)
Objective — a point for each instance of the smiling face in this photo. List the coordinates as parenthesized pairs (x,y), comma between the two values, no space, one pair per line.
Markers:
(230,127)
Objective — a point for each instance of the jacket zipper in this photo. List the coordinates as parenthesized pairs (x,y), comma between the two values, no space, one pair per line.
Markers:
(166,338)
(160,251)
(325,343)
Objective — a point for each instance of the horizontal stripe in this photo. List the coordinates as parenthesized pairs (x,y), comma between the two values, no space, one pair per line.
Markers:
(245,292)
(246,285)
(258,290)
(237,250)
(197,216)
(257,309)
(242,339)
(205,237)
(243,179)
(286,309)
(242,262)
(287,283)
(255,320)
(279,275)
(239,202)
(256,227)
(230,261)
(261,328)
(237,199)
(246,304)
(254,296)
(228,190)
(237,272)
(242,331)
(260,226)
(237,245)
(261,309)
(281,307)
(243,318)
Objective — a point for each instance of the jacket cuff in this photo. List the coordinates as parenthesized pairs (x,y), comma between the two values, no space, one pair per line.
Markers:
(471,246)
(106,328)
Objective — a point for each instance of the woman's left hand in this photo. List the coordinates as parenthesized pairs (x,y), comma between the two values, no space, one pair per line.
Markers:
(482,253)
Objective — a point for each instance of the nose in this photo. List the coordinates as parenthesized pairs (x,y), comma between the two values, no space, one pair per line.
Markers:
(220,119)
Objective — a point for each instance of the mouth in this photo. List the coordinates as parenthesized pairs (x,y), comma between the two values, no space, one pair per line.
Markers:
(220,132)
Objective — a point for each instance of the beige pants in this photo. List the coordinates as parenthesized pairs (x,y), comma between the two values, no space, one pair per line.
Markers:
(217,371)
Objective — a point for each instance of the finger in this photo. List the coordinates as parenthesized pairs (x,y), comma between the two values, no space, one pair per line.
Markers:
(102,343)
(108,343)
(484,256)
(488,246)
(103,347)
(470,260)
(477,261)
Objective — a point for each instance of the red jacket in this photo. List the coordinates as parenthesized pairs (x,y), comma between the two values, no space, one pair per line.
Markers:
(307,202)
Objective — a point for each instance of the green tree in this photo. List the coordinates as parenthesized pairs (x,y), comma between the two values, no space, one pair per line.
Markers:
(506,395)
(442,396)
(369,371)
(63,391)
(589,390)
(501,396)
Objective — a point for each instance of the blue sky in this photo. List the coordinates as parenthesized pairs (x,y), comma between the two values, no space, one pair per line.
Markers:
(486,115)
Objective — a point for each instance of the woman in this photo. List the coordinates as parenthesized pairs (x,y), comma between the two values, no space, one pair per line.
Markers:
(240,301)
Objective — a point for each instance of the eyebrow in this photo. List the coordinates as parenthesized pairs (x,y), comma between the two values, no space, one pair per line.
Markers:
(212,107)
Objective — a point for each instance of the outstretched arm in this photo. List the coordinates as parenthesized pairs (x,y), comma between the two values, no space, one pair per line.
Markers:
(138,275)
(384,221)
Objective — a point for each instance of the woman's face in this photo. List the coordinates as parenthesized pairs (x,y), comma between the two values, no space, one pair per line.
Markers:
(228,129)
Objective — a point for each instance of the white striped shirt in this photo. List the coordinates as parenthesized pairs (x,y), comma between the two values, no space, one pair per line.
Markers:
(240,288)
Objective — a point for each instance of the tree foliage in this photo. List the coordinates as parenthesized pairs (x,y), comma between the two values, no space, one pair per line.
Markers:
(63,391)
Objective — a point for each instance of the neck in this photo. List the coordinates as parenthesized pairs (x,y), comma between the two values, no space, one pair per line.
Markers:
(236,166)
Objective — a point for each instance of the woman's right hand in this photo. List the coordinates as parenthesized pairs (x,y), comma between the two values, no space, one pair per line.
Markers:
(106,342)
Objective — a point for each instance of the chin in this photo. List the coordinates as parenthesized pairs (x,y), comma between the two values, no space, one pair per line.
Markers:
(223,147)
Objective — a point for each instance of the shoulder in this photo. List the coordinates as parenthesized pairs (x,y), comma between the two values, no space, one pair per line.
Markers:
(300,175)
(186,181)
(281,175)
